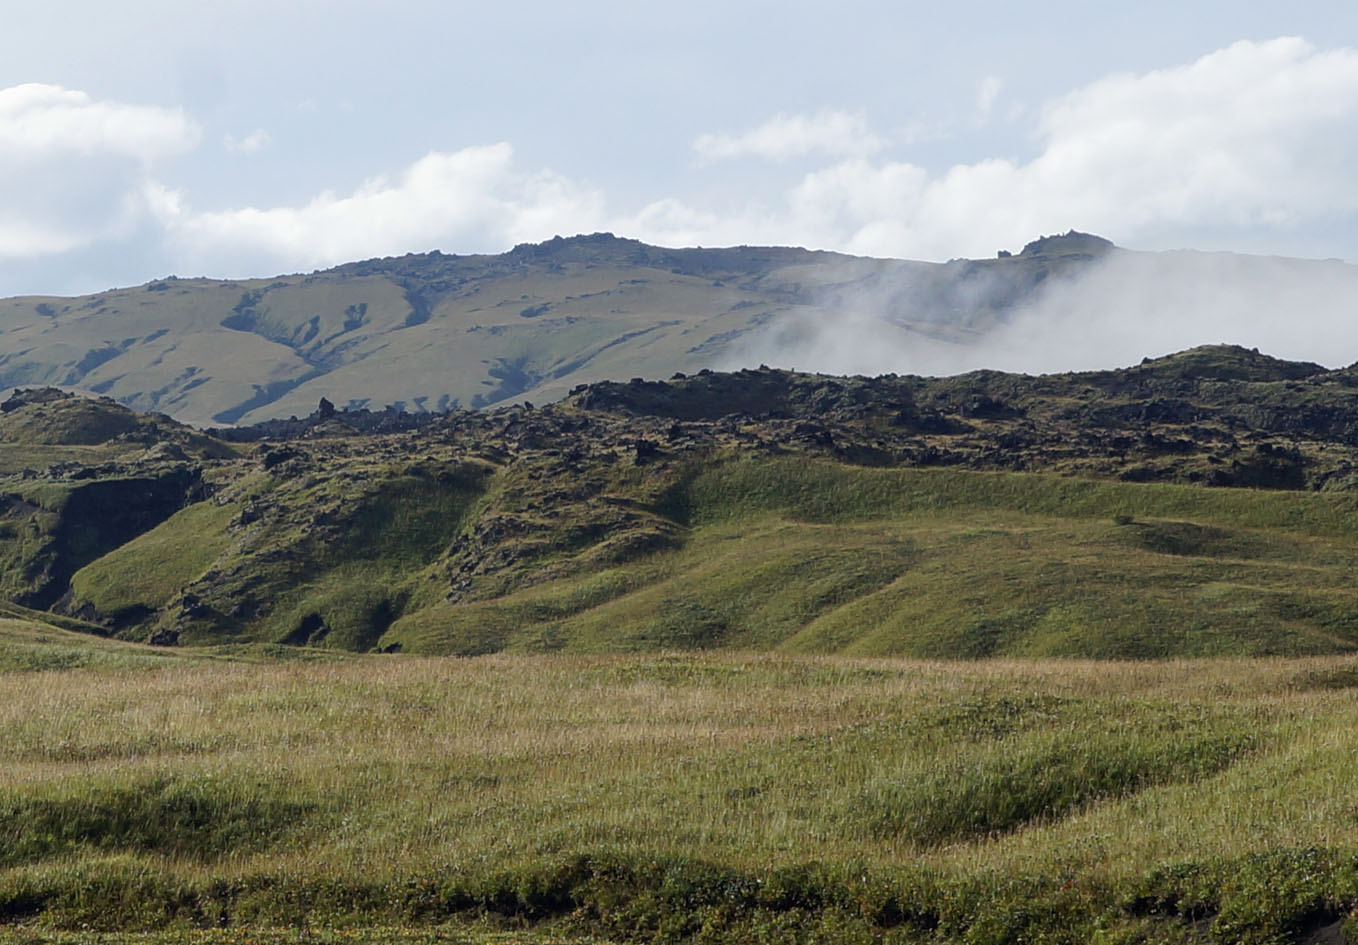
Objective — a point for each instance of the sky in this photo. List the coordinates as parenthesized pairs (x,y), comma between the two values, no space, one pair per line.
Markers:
(149,138)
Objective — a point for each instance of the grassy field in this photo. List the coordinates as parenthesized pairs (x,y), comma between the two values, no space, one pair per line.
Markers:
(700,797)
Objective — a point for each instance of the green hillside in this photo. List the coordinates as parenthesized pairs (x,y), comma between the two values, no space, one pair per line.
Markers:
(818,557)
(754,656)
(434,331)
(1201,504)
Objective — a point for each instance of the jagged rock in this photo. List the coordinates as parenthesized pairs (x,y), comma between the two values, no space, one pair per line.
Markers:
(32,396)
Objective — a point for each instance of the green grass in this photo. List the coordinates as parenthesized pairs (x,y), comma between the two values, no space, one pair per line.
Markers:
(149,570)
(355,586)
(750,591)
(16,457)
(790,555)
(460,934)
(69,422)
(682,797)
(49,529)
(28,646)
(173,816)
(822,491)
(314,559)
(816,557)
(1002,787)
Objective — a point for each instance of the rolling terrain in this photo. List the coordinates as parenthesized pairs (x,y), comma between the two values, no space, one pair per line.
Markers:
(1201,504)
(430,332)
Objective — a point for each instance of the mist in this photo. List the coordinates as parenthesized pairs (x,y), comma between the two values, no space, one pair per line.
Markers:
(1108,313)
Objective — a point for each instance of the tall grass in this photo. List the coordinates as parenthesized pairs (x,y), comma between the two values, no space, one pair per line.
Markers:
(706,797)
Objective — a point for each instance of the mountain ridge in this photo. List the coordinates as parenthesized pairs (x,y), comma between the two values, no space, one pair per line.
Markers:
(430,331)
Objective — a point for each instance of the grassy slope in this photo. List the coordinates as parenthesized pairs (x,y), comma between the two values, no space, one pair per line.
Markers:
(715,797)
(819,557)
(200,369)
(149,570)
(340,556)
(581,335)
(169,341)
(773,553)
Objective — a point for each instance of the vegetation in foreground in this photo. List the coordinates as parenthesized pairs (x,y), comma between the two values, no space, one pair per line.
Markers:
(680,797)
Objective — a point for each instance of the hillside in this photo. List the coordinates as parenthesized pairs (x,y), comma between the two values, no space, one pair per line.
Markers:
(1198,504)
(680,728)
(434,331)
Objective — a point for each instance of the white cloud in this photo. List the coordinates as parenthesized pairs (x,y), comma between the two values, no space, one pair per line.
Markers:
(40,121)
(1257,134)
(835,133)
(472,198)
(1129,306)
(74,170)
(252,143)
(1254,135)
(847,196)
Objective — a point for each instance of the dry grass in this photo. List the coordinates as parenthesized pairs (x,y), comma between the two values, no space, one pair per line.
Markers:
(386,771)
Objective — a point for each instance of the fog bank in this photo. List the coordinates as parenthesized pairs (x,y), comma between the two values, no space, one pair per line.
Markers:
(1109,313)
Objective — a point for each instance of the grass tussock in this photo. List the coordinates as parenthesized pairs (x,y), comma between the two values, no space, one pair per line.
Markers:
(1010,785)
